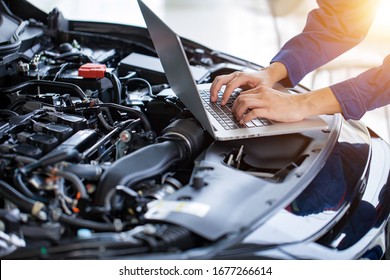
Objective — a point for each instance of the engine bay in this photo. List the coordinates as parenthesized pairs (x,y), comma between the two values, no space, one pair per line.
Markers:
(96,151)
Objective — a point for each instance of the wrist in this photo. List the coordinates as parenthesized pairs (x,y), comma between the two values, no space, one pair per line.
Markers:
(277,71)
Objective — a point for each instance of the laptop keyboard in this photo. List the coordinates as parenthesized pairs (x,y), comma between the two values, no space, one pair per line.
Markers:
(224,115)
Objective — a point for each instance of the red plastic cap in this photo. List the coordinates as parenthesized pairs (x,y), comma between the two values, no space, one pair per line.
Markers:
(92,70)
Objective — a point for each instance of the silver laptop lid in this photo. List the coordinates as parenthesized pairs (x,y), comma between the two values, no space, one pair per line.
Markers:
(174,60)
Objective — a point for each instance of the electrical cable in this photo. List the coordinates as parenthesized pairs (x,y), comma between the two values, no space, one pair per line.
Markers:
(62,69)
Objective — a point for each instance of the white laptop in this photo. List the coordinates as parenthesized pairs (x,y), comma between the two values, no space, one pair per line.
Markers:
(195,97)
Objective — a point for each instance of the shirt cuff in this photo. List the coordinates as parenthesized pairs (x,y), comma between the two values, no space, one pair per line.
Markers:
(293,64)
(349,98)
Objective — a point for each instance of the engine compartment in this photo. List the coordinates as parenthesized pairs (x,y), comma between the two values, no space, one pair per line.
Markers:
(88,138)
(99,159)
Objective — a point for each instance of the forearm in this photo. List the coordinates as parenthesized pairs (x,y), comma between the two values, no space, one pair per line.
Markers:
(318,102)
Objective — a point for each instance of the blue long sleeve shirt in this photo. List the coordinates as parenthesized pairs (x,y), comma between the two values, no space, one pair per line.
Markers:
(332,29)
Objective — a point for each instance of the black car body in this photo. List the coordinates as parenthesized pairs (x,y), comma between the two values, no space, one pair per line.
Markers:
(100,160)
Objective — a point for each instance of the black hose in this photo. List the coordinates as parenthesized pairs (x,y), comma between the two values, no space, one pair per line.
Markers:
(81,223)
(18,181)
(90,172)
(67,55)
(108,115)
(74,180)
(182,141)
(15,42)
(19,159)
(148,85)
(144,163)
(50,159)
(21,186)
(25,203)
(104,123)
(136,113)
(8,112)
(131,126)
(116,84)
(72,87)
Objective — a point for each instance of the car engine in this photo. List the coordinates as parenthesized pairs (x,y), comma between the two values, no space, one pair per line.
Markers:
(89,136)
(99,159)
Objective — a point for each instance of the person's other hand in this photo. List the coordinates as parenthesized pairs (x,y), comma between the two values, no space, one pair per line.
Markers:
(247,80)
(236,80)
(265,102)
(269,103)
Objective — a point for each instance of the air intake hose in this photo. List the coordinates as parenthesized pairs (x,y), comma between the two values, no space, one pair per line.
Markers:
(180,142)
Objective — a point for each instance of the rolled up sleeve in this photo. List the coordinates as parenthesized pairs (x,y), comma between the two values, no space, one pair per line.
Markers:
(333,28)
(367,91)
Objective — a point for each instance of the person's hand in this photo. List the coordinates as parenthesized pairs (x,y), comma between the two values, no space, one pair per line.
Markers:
(265,102)
(236,80)
(246,80)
